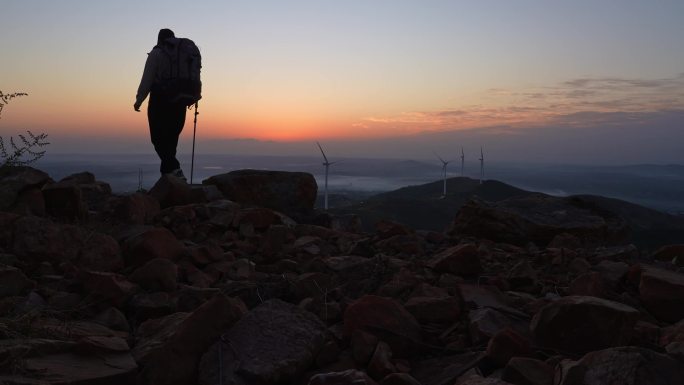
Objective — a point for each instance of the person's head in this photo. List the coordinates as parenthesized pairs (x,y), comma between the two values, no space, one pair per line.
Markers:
(164,34)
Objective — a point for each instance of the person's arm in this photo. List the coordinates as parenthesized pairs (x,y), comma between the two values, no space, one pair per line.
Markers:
(149,75)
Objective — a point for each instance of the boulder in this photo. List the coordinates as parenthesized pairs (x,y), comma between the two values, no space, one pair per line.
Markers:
(171,191)
(434,310)
(104,368)
(622,365)
(381,364)
(399,379)
(460,260)
(386,319)
(505,345)
(109,286)
(528,371)
(293,193)
(100,252)
(136,208)
(17,179)
(157,274)
(150,244)
(581,324)
(662,293)
(670,253)
(14,282)
(351,376)
(65,200)
(272,344)
(169,349)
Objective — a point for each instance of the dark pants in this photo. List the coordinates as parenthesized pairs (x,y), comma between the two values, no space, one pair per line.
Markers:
(166,123)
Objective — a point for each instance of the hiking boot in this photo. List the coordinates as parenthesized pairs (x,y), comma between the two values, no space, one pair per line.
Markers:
(178,173)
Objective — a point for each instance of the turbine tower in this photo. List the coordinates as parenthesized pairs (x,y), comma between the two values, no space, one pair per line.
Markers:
(462,160)
(481,165)
(444,172)
(327,166)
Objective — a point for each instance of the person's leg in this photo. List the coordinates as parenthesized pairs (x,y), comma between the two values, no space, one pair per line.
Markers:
(166,122)
(176,121)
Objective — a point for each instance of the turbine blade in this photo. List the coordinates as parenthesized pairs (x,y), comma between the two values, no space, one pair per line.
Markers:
(321,148)
(438,157)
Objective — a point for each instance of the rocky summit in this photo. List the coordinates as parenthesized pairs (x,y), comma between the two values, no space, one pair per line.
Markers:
(241,281)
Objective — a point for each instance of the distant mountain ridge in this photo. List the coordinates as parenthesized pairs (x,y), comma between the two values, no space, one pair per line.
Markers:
(423,207)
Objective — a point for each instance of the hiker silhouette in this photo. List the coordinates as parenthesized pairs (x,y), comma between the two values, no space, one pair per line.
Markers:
(166,117)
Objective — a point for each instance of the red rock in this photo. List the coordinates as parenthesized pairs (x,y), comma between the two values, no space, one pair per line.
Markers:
(44,240)
(363,346)
(112,318)
(30,202)
(65,200)
(109,286)
(136,208)
(590,284)
(459,260)
(386,319)
(623,365)
(528,371)
(399,379)
(154,243)
(159,274)
(670,253)
(171,191)
(170,354)
(144,306)
(435,310)
(351,376)
(505,345)
(14,282)
(581,324)
(387,229)
(662,293)
(672,333)
(474,379)
(485,323)
(292,193)
(100,252)
(97,344)
(401,244)
(381,364)
(612,272)
(257,218)
(522,276)
(15,180)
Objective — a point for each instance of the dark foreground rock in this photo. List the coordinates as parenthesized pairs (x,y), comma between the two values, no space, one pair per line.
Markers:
(272,344)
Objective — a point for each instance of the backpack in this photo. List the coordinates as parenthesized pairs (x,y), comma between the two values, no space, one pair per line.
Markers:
(183,84)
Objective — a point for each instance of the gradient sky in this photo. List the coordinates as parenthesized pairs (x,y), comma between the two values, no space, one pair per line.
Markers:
(393,78)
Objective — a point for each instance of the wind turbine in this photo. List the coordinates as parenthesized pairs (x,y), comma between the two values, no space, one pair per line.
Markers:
(327,166)
(462,160)
(444,172)
(481,165)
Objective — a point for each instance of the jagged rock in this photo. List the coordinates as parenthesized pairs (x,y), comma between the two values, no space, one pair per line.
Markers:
(459,260)
(98,344)
(109,286)
(479,380)
(486,296)
(151,244)
(437,310)
(523,276)
(136,208)
(486,322)
(399,379)
(65,200)
(293,193)
(43,240)
(445,370)
(387,229)
(112,318)
(76,369)
(169,349)
(528,371)
(662,293)
(612,272)
(14,282)
(505,345)
(157,274)
(363,346)
(386,319)
(16,180)
(171,191)
(380,364)
(351,376)
(623,365)
(144,306)
(274,343)
(100,252)
(581,324)
(670,253)
(590,284)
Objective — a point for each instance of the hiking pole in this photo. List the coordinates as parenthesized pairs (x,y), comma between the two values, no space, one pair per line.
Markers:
(194,132)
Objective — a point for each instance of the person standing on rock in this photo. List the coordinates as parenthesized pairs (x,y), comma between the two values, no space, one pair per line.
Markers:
(166,116)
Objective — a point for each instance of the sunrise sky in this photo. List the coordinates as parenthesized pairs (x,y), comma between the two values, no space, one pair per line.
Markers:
(534,80)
